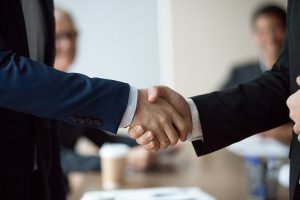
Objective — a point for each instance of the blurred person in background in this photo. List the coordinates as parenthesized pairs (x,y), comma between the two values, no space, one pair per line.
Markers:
(268,28)
(138,158)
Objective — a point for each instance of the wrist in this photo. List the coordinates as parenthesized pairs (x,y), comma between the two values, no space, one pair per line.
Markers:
(131,108)
(141,96)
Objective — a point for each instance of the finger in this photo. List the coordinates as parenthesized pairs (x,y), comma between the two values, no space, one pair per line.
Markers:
(299,138)
(145,138)
(152,146)
(164,144)
(181,126)
(136,131)
(153,94)
(160,133)
(296,129)
(298,80)
(156,144)
(177,101)
(171,132)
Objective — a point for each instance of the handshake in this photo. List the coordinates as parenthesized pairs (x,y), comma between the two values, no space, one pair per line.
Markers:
(162,117)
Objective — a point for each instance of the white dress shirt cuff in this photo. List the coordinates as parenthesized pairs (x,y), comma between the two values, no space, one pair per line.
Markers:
(131,107)
(197,133)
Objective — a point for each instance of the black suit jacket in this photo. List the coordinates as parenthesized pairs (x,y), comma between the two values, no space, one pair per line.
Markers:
(256,106)
(242,73)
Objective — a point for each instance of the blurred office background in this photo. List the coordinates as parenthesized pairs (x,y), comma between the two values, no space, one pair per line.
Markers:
(189,45)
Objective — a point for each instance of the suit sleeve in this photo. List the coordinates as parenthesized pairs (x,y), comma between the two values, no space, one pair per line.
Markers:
(231,115)
(37,89)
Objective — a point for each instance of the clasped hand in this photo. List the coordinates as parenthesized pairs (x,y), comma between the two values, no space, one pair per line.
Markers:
(293,104)
(162,117)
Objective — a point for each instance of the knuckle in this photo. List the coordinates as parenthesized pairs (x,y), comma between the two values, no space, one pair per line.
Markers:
(291,103)
(148,148)
(141,141)
(163,118)
(150,136)
(288,102)
(291,115)
(296,129)
(185,129)
(174,142)
(132,134)
(162,145)
(151,145)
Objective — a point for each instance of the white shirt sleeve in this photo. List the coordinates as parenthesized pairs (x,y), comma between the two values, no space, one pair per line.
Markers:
(131,107)
(196,133)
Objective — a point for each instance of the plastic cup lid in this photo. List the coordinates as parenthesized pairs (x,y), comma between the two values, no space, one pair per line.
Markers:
(109,150)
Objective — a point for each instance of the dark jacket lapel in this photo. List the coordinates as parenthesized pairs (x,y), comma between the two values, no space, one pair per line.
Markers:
(19,18)
(48,10)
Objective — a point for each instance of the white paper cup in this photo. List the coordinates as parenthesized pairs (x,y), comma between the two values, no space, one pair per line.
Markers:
(113,157)
(97,196)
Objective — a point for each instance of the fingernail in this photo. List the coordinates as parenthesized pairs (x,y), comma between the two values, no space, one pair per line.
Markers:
(138,129)
(151,145)
(150,135)
(151,96)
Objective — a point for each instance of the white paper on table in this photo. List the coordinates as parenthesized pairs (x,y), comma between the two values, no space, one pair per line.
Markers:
(284,175)
(162,193)
(260,147)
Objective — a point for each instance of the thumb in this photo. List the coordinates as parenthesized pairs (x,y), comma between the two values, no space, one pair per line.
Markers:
(156,92)
(298,80)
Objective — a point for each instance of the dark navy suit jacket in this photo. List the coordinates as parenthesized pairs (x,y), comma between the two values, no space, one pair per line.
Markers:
(33,96)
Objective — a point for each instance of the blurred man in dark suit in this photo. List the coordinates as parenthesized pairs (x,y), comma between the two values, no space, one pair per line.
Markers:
(268,28)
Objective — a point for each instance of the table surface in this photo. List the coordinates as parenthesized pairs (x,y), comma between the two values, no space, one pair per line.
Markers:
(221,174)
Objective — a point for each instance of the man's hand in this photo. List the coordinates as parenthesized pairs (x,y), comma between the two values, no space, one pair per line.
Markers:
(159,122)
(156,94)
(293,103)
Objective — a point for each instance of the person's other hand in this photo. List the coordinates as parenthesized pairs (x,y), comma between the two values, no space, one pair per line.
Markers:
(160,122)
(282,133)
(139,159)
(293,103)
(176,100)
